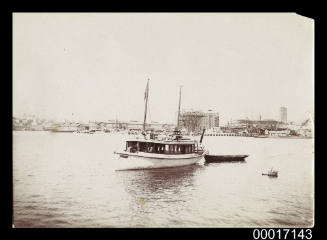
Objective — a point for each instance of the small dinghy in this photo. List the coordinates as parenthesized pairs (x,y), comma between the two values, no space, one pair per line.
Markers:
(271,173)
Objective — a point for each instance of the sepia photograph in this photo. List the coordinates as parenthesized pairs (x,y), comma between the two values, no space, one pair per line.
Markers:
(163,120)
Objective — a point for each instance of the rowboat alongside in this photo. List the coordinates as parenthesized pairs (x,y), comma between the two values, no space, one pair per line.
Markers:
(224,158)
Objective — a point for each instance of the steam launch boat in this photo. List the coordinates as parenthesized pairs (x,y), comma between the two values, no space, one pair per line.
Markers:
(150,151)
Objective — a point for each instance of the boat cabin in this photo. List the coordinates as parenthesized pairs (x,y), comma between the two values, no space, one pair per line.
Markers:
(169,147)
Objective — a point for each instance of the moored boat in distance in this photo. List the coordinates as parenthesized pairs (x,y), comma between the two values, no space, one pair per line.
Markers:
(152,151)
(271,173)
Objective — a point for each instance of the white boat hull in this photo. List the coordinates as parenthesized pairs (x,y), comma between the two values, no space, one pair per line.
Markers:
(128,161)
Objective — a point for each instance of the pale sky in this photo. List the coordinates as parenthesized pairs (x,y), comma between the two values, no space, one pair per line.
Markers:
(94,66)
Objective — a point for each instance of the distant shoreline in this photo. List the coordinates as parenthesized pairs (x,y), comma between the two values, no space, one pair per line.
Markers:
(274,137)
(281,137)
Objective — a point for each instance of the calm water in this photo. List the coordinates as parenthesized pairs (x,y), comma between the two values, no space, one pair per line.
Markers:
(69,180)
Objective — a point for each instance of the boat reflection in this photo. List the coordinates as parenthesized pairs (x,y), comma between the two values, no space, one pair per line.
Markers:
(166,184)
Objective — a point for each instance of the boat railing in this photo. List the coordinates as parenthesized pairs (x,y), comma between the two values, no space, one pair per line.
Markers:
(199,149)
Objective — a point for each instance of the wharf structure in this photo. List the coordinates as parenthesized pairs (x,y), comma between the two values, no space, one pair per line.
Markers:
(196,121)
(260,128)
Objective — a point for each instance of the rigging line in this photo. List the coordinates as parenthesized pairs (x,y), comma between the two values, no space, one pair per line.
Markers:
(149,111)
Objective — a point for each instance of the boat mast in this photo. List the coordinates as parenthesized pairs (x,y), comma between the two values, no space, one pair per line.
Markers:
(179,106)
(146,103)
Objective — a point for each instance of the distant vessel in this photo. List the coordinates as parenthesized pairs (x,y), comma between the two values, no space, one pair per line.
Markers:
(154,152)
(271,173)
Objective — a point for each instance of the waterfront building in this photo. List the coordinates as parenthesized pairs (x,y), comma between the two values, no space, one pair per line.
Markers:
(261,124)
(211,119)
(196,121)
(283,114)
(192,120)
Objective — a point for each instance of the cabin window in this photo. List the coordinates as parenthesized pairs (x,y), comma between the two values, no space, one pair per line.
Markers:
(161,148)
(142,146)
(174,149)
(158,148)
(147,147)
(167,148)
(151,147)
(154,147)
(131,146)
(171,149)
(184,148)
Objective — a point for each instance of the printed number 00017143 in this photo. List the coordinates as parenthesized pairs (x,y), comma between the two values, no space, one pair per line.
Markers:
(282,234)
